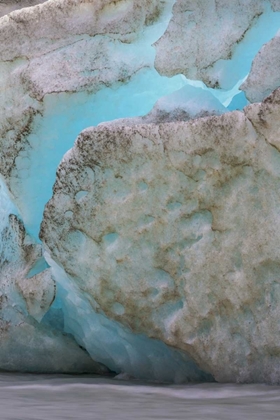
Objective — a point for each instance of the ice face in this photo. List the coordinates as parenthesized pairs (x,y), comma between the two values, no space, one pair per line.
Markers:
(64,117)
(66,66)
(27,291)
(117,347)
(160,222)
(60,89)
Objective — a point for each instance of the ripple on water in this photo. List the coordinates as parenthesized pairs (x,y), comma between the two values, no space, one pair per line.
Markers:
(56,397)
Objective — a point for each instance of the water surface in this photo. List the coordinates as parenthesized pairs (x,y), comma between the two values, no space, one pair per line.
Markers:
(55,397)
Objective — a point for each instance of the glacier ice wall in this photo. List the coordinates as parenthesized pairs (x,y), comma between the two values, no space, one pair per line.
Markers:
(66,65)
(173,229)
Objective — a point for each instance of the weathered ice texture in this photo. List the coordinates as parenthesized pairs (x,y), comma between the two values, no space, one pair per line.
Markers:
(264,76)
(7,6)
(61,64)
(66,65)
(38,55)
(265,118)
(151,260)
(114,344)
(27,291)
(173,229)
(213,40)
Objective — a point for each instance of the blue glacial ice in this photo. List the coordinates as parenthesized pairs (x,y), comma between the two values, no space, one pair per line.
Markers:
(236,31)
(65,116)
(234,71)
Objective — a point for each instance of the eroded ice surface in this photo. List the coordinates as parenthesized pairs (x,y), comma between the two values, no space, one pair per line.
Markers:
(8,6)
(109,78)
(69,65)
(173,229)
(26,344)
(220,39)
(264,76)
(108,342)
(64,117)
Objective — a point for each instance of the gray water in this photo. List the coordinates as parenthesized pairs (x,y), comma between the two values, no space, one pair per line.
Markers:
(42,397)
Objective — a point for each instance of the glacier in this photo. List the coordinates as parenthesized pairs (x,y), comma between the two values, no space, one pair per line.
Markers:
(139,188)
